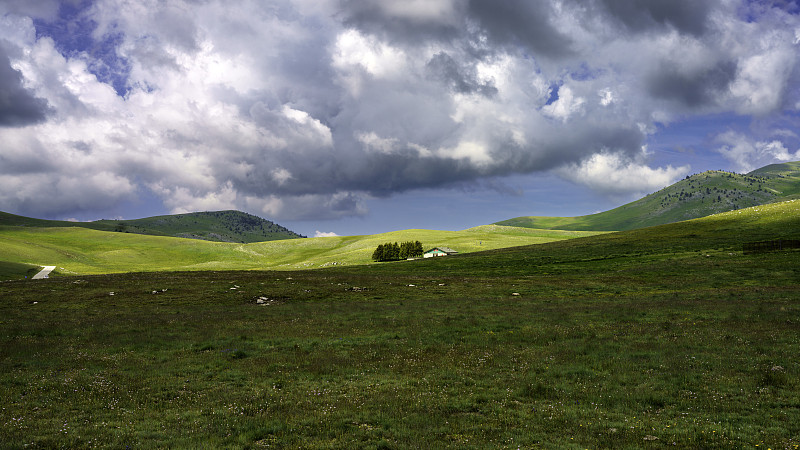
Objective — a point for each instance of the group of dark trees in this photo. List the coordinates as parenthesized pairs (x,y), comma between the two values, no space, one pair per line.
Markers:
(395,252)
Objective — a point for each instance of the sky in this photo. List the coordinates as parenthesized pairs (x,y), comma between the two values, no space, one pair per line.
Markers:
(364,116)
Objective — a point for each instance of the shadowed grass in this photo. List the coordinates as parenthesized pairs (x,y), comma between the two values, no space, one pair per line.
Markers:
(13,271)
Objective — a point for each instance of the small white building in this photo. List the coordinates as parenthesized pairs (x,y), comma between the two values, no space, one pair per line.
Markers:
(440,251)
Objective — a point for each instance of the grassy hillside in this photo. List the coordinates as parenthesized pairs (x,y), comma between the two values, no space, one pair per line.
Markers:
(784,178)
(12,270)
(696,196)
(219,226)
(14,220)
(83,251)
(660,337)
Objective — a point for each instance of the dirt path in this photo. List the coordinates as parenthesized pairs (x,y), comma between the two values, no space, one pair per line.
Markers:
(44,273)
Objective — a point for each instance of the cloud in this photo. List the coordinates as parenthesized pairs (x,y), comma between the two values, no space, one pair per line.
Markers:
(695,87)
(19,105)
(748,154)
(565,105)
(616,175)
(324,234)
(301,110)
(688,16)
(515,22)
(461,80)
(45,9)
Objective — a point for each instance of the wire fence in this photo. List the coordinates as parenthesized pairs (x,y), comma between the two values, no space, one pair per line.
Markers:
(770,246)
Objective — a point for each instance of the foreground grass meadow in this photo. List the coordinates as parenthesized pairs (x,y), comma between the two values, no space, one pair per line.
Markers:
(660,337)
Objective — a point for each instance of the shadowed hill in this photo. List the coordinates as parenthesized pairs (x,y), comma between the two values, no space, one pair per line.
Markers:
(699,195)
(219,226)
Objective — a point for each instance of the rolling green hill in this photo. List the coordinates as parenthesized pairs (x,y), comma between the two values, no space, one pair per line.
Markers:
(219,226)
(79,250)
(695,196)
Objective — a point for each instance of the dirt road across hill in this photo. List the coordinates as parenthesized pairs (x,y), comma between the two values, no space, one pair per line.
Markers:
(44,273)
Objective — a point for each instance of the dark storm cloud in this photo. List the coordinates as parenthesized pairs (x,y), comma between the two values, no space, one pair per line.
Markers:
(402,169)
(687,16)
(521,23)
(506,22)
(372,17)
(384,175)
(696,89)
(444,68)
(18,106)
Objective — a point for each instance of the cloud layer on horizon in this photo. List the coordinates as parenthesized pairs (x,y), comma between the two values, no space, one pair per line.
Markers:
(303,109)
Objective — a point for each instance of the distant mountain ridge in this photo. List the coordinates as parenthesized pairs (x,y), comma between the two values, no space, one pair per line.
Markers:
(219,226)
(696,196)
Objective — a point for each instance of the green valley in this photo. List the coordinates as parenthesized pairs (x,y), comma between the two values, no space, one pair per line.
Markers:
(85,251)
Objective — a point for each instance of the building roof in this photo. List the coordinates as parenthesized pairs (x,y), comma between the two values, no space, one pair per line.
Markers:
(442,249)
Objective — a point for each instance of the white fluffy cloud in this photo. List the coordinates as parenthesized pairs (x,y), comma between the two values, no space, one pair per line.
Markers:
(302,110)
(325,234)
(615,174)
(748,154)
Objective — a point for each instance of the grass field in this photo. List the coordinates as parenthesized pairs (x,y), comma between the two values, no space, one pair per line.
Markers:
(83,251)
(667,336)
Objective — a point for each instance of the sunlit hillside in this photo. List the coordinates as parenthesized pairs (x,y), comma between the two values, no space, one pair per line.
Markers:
(86,251)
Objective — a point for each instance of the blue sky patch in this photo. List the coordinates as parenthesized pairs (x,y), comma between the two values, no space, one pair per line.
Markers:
(72,33)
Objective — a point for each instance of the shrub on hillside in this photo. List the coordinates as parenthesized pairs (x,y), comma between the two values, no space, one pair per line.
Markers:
(394,252)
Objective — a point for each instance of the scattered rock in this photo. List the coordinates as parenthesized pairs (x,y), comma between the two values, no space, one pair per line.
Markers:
(412,285)
(265,301)
(777,369)
(111,293)
(515,294)
(650,438)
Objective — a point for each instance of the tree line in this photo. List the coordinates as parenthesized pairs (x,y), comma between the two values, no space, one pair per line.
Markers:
(394,252)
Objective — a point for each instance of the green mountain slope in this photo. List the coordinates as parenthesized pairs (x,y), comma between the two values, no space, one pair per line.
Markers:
(695,196)
(219,226)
